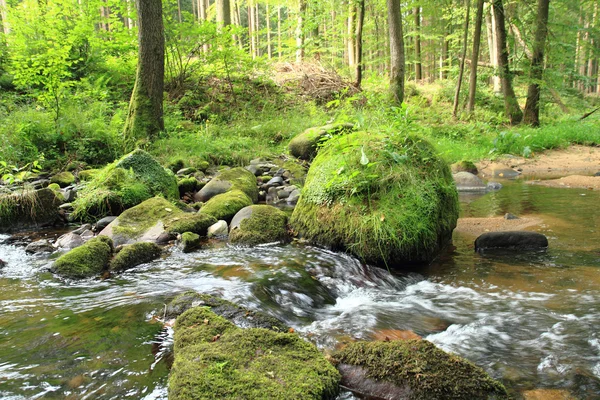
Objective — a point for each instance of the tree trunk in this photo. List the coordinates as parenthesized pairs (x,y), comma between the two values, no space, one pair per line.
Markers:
(359,45)
(300,32)
(257,28)
(223,13)
(179,11)
(418,66)
(397,58)
(351,37)
(145,116)
(279,32)
(532,107)
(511,105)
(4,17)
(251,29)
(493,48)
(268,18)
(475,56)
(463,56)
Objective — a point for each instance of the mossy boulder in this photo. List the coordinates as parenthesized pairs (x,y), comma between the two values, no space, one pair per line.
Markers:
(214,359)
(190,242)
(63,179)
(258,224)
(224,206)
(464,166)
(389,200)
(135,254)
(413,370)
(197,223)
(187,185)
(29,209)
(234,179)
(238,315)
(123,184)
(306,144)
(88,174)
(87,260)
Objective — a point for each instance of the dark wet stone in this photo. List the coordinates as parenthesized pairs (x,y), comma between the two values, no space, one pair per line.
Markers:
(2,264)
(275,181)
(467,182)
(597,173)
(510,216)
(82,229)
(517,240)
(39,246)
(494,186)
(104,222)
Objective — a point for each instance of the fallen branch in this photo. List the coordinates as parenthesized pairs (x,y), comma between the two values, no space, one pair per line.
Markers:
(588,114)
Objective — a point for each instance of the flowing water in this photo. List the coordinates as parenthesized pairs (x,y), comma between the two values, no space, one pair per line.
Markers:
(531,320)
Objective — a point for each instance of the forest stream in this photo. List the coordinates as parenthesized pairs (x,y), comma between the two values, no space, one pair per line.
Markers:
(530,320)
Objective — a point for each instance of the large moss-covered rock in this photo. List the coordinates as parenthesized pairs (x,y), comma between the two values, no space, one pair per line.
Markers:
(214,359)
(190,242)
(225,205)
(413,370)
(123,184)
(87,260)
(235,179)
(63,179)
(306,144)
(197,223)
(258,224)
(28,209)
(133,255)
(386,199)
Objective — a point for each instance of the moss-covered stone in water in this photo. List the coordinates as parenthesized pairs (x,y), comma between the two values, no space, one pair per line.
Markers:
(28,209)
(190,242)
(216,360)
(158,179)
(63,179)
(464,166)
(258,224)
(386,199)
(135,254)
(305,144)
(187,185)
(87,260)
(226,205)
(197,223)
(423,370)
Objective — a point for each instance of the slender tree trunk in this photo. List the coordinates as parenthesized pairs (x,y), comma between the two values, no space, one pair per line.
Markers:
(351,29)
(268,18)
(418,66)
(257,28)
(444,59)
(223,13)
(493,47)
(397,57)
(475,56)
(145,116)
(300,32)
(463,56)
(532,107)
(4,17)
(279,49)
(179,11)
(251,29)
(511,105)
(359,44)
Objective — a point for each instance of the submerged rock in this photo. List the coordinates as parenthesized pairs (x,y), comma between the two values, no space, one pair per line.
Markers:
(87,260)
(389,206)
(467,182)
(214,359)
(413,369)
(305,144)
(135,254)
(518,240)
(28,209)
(39,246)
(258,224)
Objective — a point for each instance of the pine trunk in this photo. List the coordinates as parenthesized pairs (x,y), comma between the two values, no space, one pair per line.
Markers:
(475,56)
(418,66)
(397,57)
(461,70)
(300,32)
(359,45)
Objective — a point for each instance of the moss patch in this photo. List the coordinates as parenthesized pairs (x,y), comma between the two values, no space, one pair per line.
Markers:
(190,242)
(386,199)
(28,209)
(216,360)
(63,179)
(466,166)
(88,174)
(241,179)
(158,179)
(197,223)
(89,259)
(226,205)
(187,185)
(259,224)
(306,144)
(137,220)
(426,370)
(133,255)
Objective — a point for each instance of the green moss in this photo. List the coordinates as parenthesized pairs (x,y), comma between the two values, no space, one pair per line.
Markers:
(265,224)
(298,171)
(197,223)
(28,209)
(135,254)
(428,371)
(159,180)
(176,165)
(88,174)
(187,185)
(55,187)
(63,179)
(137,220)
(190,241)
(241,179)
(245,363)
(89,259)
(397,203)
(202,165)
(305,145)
(265,178)
(464,165)
(226,205)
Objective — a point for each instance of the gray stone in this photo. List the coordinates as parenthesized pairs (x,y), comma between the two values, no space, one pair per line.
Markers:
(68,241)
(272,195)
(507,173)
(66,206)
(165,238)
(510,216)
(254,169)
(40,246)
(87,235)
(494,186)
(276,181)
(290,188)
(516,240)
(211,189)
(597,174)
(82,229)
(282,194)
(186,171)
(219,229)
(103,223)
(70,195)
(467,182)
(2,264)
(293,197)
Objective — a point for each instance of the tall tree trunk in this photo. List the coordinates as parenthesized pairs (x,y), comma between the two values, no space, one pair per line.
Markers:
(418,66)
(4,17)
(351,29)
(397,57)
(223,13)
(475,56)
(532,107)
(179,11)
(463,56)
(359,44)
(279,32)
(300,32)
(268,18)
(257,28)
(145,116)
(493,48)
(511,105)
(251,29)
